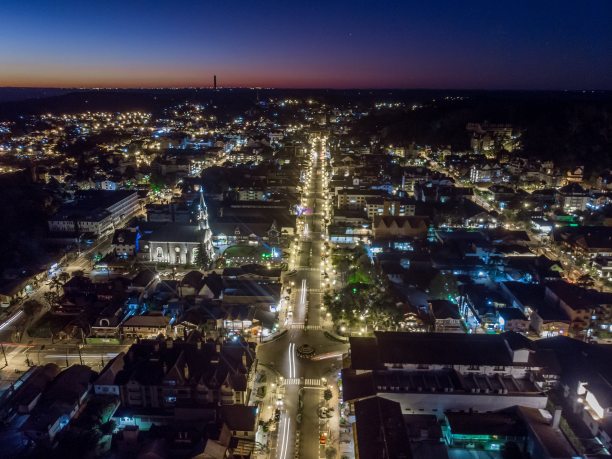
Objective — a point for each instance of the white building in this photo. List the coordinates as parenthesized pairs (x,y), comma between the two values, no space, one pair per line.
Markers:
(433,373)
(95,211)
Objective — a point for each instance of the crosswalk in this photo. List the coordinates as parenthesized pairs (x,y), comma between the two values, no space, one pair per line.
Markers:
(314,382)
(301,326)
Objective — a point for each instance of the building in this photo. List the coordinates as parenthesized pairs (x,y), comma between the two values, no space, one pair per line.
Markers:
(446,316)
(384,206)
(585,383)
(173,212)
(484,173)
(586,241)
(572,198)
(59,403)
(148,326)
(126,242)
(172,377)
(387,227)
(96,212)
(436,373)
(587,310)
(356,198)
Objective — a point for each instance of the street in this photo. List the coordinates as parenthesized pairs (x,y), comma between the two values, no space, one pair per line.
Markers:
(299,430)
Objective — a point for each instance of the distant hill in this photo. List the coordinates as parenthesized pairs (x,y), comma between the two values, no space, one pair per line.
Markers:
(16,94)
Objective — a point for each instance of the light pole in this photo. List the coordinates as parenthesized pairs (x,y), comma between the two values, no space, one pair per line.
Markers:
(4,354)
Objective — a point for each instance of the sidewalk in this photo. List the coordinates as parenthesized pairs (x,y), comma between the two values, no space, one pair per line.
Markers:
(263,395)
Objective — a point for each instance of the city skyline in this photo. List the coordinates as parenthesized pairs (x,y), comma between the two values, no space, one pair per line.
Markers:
(342,45)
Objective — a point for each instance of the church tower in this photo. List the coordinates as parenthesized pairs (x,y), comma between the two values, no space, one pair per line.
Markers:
(204,226)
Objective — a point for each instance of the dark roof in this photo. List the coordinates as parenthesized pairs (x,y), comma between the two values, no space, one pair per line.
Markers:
(124,237)
(380,429)
(412,222)
(171,232)
(575,297)
(356,386)
(144,278)
(582,362)
(436,348)
(505,423)
(214,282)
(444,309)
(239,417)
(572,188)
(511,314)
(192,279)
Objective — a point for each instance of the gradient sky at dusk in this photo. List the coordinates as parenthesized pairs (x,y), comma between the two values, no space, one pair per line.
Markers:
(494,44)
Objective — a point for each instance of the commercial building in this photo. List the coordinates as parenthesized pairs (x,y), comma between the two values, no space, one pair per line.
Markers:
(96,212)
(436,373)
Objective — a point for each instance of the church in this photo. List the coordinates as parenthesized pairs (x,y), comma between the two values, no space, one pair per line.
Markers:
(177,243)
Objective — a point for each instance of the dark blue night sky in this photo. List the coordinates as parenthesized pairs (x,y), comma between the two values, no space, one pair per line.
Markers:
(535,44)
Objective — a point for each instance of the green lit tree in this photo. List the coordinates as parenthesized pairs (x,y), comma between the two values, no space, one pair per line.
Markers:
(202,259)
(443,286)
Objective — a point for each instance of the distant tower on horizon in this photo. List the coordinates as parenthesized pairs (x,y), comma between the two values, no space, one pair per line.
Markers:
(215,82)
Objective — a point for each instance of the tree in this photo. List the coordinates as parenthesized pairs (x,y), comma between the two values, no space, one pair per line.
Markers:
(32,307)
(202,259)
(443,286)
(58,281)
(585,281)
(327,395)
(52,298)
(108,427)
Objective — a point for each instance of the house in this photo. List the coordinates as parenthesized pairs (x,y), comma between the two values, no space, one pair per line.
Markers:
(586,309)
(107,323)
(446,316)
(169,381)
(587,241)
(146,326)
(125,242)
(143,281)
(23,396)
(512,319)
(190,284)
(549,321)
(241,421)
(59,403)
(575,175)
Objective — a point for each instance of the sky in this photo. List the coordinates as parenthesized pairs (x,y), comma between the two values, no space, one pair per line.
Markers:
(462,44)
